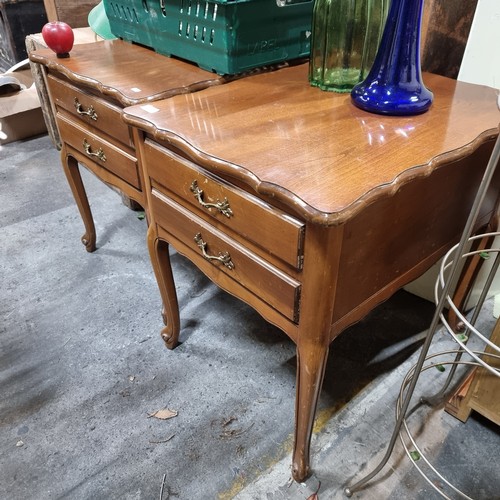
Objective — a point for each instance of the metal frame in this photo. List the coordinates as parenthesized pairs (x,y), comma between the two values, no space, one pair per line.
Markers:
(451,265)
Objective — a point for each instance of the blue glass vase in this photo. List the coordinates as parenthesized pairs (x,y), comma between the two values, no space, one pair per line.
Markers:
(394,84)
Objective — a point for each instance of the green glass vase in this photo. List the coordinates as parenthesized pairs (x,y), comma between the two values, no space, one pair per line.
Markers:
(345,38)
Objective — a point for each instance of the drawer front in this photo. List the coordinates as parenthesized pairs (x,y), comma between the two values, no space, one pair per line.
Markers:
(216,253)
(99,151)
(95,112)
(212,198)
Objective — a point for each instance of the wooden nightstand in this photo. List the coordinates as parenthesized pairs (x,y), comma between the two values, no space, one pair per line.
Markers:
(307,208)
(88,91)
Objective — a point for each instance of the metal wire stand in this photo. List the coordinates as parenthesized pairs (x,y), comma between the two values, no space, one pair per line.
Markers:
(415,453)
(443,298)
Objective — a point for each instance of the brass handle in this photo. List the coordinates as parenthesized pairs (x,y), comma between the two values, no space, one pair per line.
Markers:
(224,258)
(222,206)
(89,112)
(100,153)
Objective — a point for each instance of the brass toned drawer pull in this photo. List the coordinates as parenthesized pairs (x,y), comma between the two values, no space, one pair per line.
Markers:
(100,153)
(225,258)
(89,112)
(222,206)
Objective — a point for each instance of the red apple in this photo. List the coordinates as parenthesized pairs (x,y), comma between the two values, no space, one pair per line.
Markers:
(59,37)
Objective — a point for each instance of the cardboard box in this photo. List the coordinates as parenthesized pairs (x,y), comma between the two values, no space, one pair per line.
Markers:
(20,111)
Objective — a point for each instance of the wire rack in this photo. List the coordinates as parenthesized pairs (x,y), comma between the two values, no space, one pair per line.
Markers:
(411,447)
(483,353)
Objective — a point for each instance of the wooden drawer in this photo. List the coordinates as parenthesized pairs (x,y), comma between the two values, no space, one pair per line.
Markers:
(92,110)
(212,198)
(194,237)
(99,150)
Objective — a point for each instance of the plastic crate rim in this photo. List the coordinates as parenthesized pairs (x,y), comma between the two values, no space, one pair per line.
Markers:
(279,3)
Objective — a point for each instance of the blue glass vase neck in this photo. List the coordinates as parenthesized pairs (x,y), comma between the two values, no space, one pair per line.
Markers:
(399,64)
(394,84)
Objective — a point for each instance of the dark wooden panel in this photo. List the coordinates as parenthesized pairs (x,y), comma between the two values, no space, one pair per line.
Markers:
(73,12)
(18,19)
(445,31)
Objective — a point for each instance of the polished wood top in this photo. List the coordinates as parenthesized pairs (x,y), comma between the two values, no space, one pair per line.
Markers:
(129,73)
(313,150)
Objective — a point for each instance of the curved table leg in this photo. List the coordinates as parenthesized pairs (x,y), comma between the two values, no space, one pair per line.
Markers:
(160,260)
(319,287)
(311,362)
(72,171)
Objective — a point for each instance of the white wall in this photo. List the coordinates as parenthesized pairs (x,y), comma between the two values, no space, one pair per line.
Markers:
(481,62)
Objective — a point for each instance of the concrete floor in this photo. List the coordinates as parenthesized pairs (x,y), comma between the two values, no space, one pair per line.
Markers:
(82,368)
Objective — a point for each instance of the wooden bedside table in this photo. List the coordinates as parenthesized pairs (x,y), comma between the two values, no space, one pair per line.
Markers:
(305,207)
(88,92)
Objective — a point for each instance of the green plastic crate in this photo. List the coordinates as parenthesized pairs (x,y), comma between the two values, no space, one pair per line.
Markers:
(224,36)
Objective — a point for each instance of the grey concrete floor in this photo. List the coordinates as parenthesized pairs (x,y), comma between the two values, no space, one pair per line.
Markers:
(82,368)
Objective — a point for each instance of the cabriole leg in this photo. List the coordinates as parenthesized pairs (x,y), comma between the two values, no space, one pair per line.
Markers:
(311,362)
(72,171)
(160,260)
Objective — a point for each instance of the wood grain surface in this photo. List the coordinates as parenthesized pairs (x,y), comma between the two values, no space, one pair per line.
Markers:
(313,150)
